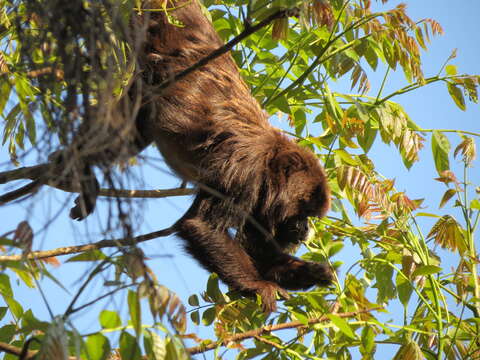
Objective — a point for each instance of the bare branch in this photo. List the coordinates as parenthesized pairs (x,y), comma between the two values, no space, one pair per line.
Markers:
(29,355)
(35,255)
(37,174)
(270,328)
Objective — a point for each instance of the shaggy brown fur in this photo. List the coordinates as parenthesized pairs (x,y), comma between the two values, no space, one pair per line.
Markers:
(251,178)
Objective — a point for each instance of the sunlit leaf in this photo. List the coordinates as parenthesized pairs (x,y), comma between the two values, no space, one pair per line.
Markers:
(135,311)
(468,149)
(404,289)
(155,345)
(409,351)
(451,70)
(129,348)
(97,347)
(448,234)
(426,270)
(457,95)
(440,150)
(109,319)
(342,325)
(447,196)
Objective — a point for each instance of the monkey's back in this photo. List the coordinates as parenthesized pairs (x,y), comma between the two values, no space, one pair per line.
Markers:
(211,103)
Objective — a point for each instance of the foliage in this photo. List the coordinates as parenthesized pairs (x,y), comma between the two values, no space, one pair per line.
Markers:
(58,60)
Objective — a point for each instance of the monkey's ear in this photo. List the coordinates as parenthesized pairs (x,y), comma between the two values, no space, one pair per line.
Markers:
(287,163)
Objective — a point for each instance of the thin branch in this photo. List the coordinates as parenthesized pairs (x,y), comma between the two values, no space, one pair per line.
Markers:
(270,328)
(30,188)
(30,355)
(89,247)
(37,173)
(28,172)
(10,349)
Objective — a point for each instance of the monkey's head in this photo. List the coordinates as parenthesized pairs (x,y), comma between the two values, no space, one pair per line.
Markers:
(298,190)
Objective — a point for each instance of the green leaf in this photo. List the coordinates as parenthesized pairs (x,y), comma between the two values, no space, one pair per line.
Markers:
(25,276)
(384,283)
(193,300)
(3,311)
(14,307)
(213,289)
(334,248)
(409,351)
(475,204)
(109,319)
(135,311)
(427,215)
(456,95)
(367,139)
(97,347)
(5,89)
(345,158)
(7,332)
(92,255)
(440,150)
(342,325)
(300,316)
(154,346)
(129,348)
(451,70)
(5,288)
(281,103)
(426,270)
(31,323)
(404,289)
(208,316)
(367,343)
(195,317)
(389,53)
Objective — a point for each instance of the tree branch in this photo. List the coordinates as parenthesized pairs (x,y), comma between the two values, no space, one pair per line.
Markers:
(29,355)
(36,255)
(270,328)
(37,174)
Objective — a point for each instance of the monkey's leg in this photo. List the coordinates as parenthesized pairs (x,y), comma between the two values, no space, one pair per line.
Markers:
(219,253)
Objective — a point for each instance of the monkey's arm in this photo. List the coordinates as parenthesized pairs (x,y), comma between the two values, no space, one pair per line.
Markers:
(218,252)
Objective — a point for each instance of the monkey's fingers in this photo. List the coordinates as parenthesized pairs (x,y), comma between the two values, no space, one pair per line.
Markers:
(283,293)
(268,292)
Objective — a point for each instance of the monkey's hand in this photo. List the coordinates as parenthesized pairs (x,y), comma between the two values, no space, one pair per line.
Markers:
(268,292)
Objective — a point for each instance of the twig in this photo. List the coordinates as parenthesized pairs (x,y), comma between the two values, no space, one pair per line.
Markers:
(10,349)
(30,355)
(49,70)
(270,328)
(31,187)
(37,172)
(88,247)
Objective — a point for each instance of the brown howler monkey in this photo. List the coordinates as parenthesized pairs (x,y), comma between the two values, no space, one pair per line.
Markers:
(251,178)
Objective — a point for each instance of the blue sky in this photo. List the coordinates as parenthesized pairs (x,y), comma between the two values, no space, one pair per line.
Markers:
(429,107)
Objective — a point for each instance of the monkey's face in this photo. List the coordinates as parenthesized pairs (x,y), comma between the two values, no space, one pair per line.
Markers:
(293,228)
